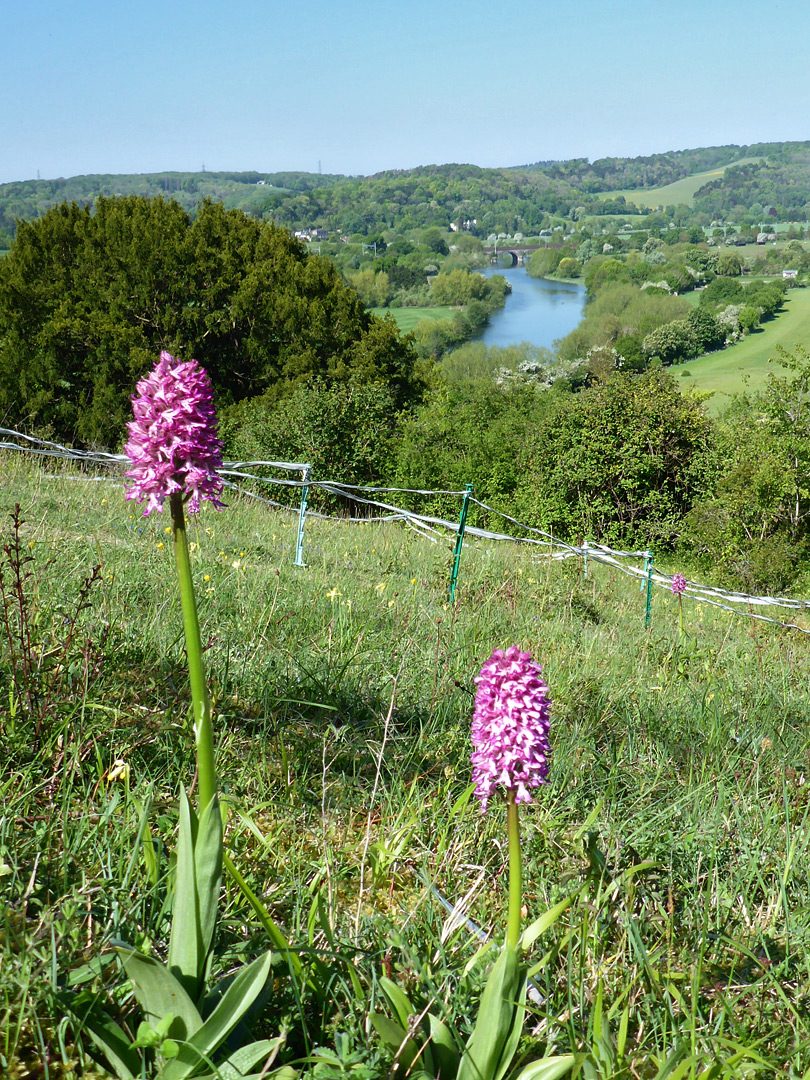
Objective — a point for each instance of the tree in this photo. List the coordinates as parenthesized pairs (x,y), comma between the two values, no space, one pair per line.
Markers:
(343,430)
(543,262)
(618,462)
(88,300)
(671,342)
(434,241)
(568,268)
(729,264)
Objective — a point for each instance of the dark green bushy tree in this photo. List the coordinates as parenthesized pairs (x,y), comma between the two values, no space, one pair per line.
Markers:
(88,299)
(619,462)
(343,430)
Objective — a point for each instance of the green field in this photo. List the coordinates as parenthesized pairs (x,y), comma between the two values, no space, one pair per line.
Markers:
(408,317)
(670,844)
(682,191)
(744,367)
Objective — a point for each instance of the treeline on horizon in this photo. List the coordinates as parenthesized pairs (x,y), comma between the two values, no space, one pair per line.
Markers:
(303,372)
(774,177)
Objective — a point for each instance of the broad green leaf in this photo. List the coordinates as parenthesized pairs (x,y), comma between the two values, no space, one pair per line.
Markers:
(233,1005)
(391,1033)
(241,1061)
(398,1000)
(186,958)
(549,1068)
(395,1038)
(446,1054)
(208,873)
(401,1005)
(111,1039)
(498,1027)
(158,993)
(546,920)
(196,895)
(622,1038)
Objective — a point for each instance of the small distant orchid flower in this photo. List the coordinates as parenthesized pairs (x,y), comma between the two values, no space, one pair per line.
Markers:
(678,589)
(511,749)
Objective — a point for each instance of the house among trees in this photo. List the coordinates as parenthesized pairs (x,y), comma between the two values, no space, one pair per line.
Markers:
(307,235)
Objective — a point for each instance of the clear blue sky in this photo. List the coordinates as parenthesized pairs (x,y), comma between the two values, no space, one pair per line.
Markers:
(366,85)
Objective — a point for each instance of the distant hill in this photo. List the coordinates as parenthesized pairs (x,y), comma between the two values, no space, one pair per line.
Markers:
(680,192)
(759,180)
(27,199)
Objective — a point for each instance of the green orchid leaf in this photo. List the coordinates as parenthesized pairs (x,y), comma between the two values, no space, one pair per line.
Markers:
(198,878)
(208,872)
(398,1000)
(241,1061)
(185,960)
(497,1030)
(404,1011)
(109,1037)
(158,993)
(549,1068)
(391,1034)
(446,1054)
(235,1002)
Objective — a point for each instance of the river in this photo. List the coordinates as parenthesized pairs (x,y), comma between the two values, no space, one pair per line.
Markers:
(538,310)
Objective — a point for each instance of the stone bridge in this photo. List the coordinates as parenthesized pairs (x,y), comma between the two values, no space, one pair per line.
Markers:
(518,252)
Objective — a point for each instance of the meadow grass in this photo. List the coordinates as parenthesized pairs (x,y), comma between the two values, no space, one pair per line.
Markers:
(676,813)
(408,317)
(745,366)
(680,192)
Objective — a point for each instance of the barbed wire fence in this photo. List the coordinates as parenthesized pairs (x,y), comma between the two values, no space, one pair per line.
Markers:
(542,545)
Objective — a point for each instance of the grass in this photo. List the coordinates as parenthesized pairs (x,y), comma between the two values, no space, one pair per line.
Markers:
(408,317)
(744,367)
(677,812)
(680,192)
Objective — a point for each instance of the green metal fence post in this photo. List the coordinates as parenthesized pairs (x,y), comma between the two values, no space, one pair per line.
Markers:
(648,567)
(585,559)
(462,522)
(302,513)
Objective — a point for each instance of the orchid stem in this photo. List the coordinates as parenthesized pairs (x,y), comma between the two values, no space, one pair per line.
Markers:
(201,705)
(515,872)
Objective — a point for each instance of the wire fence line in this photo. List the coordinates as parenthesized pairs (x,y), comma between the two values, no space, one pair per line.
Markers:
(434,529)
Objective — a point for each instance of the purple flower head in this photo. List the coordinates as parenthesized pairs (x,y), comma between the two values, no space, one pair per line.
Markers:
(678,584)
(510,726)
(173,442)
